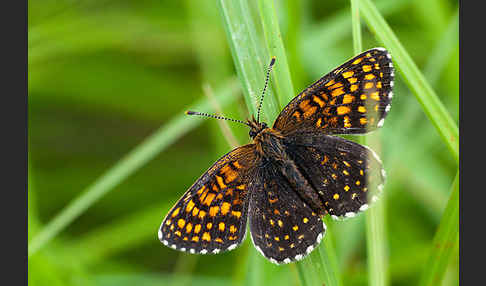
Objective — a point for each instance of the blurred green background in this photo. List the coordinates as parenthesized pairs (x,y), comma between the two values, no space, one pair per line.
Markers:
(104,75)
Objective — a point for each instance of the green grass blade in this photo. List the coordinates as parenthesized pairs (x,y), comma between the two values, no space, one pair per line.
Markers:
(356,27)
(445,240)
(281,79)
(250,63)
(422,90)
(375,234)
(376,242)
(248,55)
(140,155)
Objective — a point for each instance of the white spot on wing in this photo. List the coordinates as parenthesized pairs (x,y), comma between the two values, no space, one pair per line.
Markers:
(204,251)
(363,207)
(309,249)
(380,123)
(233,246)
(349,214)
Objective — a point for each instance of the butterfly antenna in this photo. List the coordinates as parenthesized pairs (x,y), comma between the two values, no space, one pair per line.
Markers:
(272,62)
(215,116)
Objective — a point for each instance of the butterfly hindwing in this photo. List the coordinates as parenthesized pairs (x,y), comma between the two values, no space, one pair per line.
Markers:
(352,99)
(211,216)
(282,226)
(346,175)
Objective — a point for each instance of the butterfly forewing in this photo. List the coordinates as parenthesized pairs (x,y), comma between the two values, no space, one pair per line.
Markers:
(352,99)
(283,228)
(346,175)
(211,216)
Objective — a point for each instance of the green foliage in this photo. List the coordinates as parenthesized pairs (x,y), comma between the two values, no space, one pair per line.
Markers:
(110,150)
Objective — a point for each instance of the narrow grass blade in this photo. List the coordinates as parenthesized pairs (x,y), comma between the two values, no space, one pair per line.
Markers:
(246,52)
(445,241)
(356,27)
(248,55)
(415,80)
(251,63)
(375,240)
(281,79)
(140,155)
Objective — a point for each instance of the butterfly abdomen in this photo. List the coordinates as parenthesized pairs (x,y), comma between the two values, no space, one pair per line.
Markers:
(271,146)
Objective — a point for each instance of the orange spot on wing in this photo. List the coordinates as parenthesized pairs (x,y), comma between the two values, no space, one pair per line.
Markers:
(188,227)
(348,98)
(348,74)
(366,68)
(346,122)
(236,214)
(209,199)
(189,206)
(343,110)
(375,96)
(225,207)
(337,92)
(201,214)
(318,101)
(310,111)
(336,85)
(331,82)
(176,212)
(369,76)
(206,236)
(368,85)
(213,211)
(199,192)
(220,182)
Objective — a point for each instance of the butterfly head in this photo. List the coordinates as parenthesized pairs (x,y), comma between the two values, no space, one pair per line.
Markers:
(256,127)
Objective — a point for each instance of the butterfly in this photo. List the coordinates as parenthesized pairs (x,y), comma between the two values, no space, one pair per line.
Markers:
(293,173)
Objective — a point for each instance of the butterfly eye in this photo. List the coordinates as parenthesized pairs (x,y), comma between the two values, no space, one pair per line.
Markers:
(252,133)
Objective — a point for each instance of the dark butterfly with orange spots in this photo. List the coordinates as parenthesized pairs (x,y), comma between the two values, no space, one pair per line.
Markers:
(293,173)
